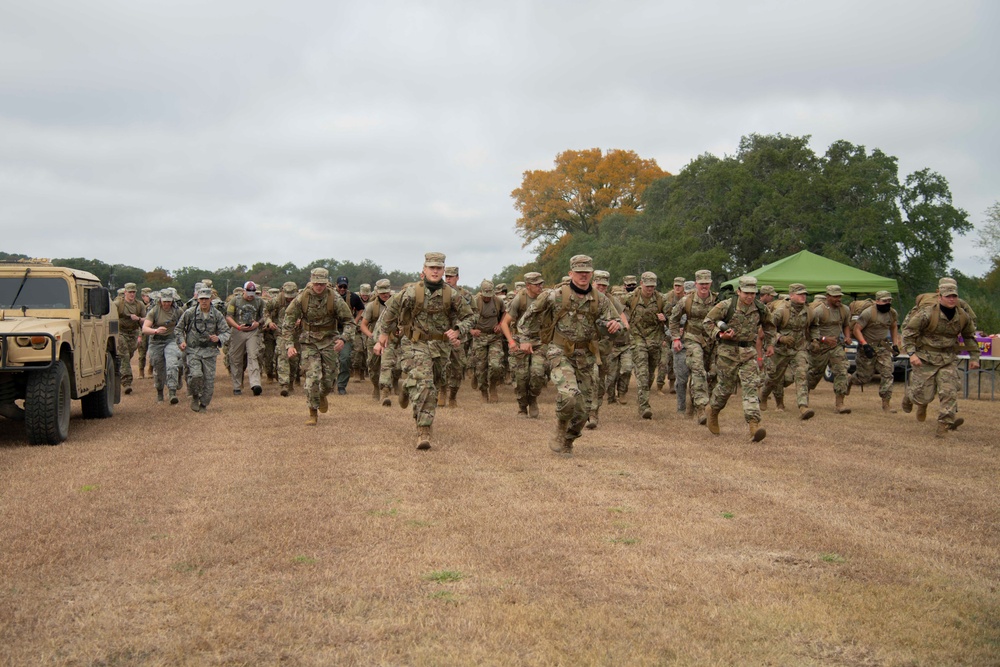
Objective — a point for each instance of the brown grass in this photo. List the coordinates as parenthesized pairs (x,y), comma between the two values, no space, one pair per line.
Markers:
(242,537)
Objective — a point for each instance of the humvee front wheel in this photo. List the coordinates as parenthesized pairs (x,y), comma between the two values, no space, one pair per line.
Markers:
(46,405)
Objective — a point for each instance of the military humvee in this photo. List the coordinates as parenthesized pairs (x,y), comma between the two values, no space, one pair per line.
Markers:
(58,341)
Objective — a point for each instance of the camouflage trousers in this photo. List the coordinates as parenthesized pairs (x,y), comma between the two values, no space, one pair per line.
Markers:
(344,362)
(165,356)
(645,360)
(247,343)
(738,368)
(487,359)
(425,364)
(681,377)
(881,362)
(128,342)
(270,358)
(528,371)
(287,369)
(573,376)
(665,371)
(389,366)
(359,357)
(788,366)
(821,356)
(201,373)
(458,361)
(702,370)
(143,345)
(779,389)
(619,370)
(928,379)
(320,363)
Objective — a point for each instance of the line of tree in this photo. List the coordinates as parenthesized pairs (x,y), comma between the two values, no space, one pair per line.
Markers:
(735,213)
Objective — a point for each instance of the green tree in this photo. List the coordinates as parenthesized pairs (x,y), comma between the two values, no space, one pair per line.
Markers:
(989,234)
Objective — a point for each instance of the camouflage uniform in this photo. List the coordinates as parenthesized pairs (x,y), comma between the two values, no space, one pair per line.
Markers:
(487,346)
(826,325)
(163,351)
(322,324)
(791,358)
(144,339)
(689,314)
(390,369)
(129,331)
(619,363)
(573,350)
(374,309)
(932,336)
(426,348)
(245,312)
(876,328)
(528,370)
(665,372)
(359,353)
(604,346)
(286,370)
(194,330)
(270,337)
(646,318)
(737,357)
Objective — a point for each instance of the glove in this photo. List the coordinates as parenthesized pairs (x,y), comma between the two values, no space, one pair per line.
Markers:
(895,350)
(869,351)
(786,340)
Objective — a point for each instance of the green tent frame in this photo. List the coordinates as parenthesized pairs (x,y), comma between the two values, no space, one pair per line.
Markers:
(816,272)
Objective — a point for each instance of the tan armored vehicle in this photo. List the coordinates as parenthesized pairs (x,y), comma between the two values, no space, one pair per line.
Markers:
(58,341)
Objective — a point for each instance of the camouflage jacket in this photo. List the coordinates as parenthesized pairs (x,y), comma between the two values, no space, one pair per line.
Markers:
(746,322)
(322,323)
(642,316)
(693,326)
(791,323)
(431,320)
(940,346)
(195,327)
(577,325)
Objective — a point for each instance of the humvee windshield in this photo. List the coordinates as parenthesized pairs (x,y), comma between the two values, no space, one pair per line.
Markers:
(37,292)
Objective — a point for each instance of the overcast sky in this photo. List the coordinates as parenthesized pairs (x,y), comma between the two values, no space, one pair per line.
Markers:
(210,134)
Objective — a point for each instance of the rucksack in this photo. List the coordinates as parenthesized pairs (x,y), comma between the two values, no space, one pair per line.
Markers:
(548,327)
(761,309)
(633,303)
(419,294)
(331,303)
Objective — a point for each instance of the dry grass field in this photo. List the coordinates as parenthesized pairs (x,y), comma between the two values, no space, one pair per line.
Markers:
(242,537)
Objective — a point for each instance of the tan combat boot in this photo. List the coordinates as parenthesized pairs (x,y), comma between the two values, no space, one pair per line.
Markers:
(763,403)
(453,397)
(484,393)
(442,399)
(386,396)
(404,397)
(323,404)
(805,413)
(689,409)
(921,412)
(755,431)
(533,407)
(423,437)
(592,420)
(313,417)
(779,404)
(839,407)
(850,383)
(887,406)
(712,419)
(906,403)
(942,430)
(494,396)
(558,442)
(955,424)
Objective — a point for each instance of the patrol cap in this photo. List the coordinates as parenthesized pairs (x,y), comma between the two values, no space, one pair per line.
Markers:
(883,295)
(250,286)
(130,287)
(273,291)
(207,282)
(383,286)
(147,290)
(167,294)
(501,287)
(519,285)
(434,259)
(767,289)
(629,280)
(602,277)
(948,289)
(121,290)
(797,288)
(451,271)
(748,284)
(581,264)
(237,290)
(365,289)
(319,275)
(486,288)
(290,288)
(688,286)
(703,276)
(342,280)
(198,286)
(533,278)
(679,280)
(947,281)
(648,278)
(565,280)
(834,290)
(205,293)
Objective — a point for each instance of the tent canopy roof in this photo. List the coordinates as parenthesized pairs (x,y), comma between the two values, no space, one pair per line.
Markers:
(816,272)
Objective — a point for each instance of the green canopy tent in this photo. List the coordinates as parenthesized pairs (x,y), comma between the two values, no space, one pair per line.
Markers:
(816,272)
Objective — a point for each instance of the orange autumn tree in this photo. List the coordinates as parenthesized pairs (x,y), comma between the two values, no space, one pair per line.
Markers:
(584,187)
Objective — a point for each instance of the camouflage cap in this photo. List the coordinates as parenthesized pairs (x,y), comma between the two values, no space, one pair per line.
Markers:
(797,288)
(820,297)
(767,289)
(948,289)
(130,287)
(679,280)
(883,295)
(434,259)
(273,291)
(688,286)
(629,280)
(703,276)
(648,278)
(237,290)
(147,290)
(319,275)
(519,285)
(533,278)
(602,278)
(565,280)
(947,281)
(618,290)
(205,293)
(207,282)
(834,290)
(167,294)
(748,284)
(365,289)
(501,287)
(382,286)
(290,288)
(581,264)
(486,288)
(121,290)
(451,271)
